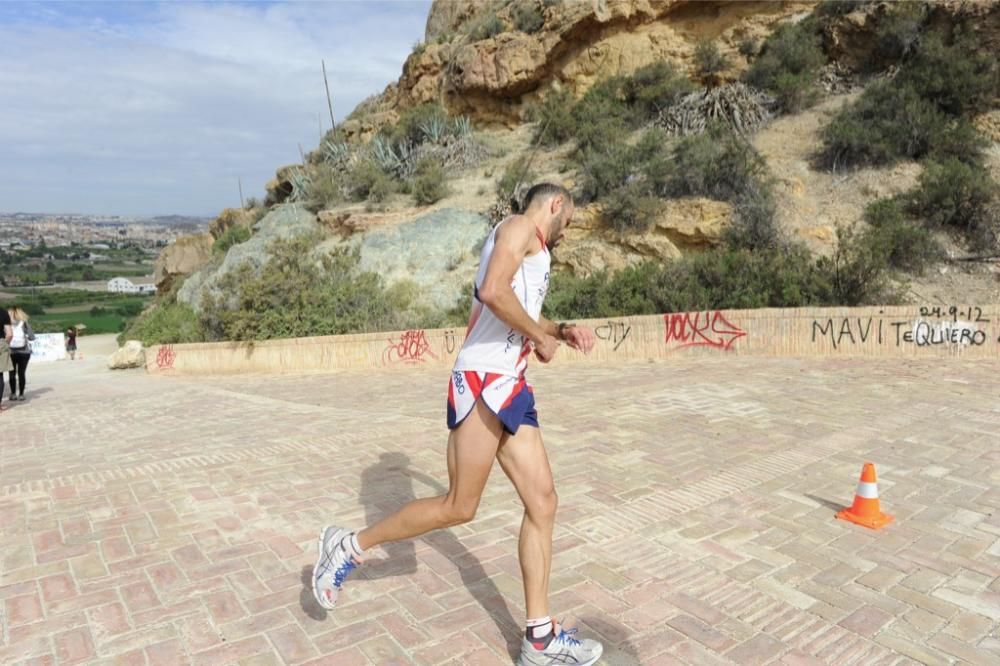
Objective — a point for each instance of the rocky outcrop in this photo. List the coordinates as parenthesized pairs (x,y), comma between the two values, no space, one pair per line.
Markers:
(183,257)
(437,251)
(229,218)
(285,221)
(131,355)
(579,43)
(684,224)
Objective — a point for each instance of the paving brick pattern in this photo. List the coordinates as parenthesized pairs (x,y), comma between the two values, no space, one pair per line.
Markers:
(152,520)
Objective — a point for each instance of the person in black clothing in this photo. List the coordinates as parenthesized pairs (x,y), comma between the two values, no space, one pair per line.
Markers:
(5,362)
(20,350)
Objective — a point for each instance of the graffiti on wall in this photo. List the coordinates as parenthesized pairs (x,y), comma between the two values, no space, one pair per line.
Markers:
(701,329)
(954,326)
(165,357)
(614,332)
(412,347)
(449,342)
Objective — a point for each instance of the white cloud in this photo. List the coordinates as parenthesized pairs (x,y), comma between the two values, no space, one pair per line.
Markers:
(159,109)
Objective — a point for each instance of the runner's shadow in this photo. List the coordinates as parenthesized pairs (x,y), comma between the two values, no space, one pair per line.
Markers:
(833,506)
(393,472)
(618,650)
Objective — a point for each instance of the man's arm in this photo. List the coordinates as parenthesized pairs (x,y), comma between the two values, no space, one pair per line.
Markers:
(512,243)
(580,338)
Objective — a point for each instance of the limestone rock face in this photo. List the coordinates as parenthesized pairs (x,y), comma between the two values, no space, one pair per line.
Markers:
(578,44)
(437,251)
(692,223)
(284,221)
(229,218)
(183,257)
(131,355)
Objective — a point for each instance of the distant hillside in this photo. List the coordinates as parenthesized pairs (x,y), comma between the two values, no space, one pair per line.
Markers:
(722,155)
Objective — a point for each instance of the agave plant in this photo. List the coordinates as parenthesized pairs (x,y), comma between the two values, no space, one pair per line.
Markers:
(335,151)
(392,158)
(463,127)
(435,129)
(301,184)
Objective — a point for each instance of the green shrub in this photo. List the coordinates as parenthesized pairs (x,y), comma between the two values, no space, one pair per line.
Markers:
(322,189)
(129,309)
(899,33)
(299,294)
(528,17)
(858,270)
(905,245)
(717,163)
(515,172)
(489,26)
(430,182)
(708,59)
(955,78)
(952,193)
(98,311)
(608,167)
(839,7)
(601,116)
(631,208)
(164,324)
(717,279)
(753,226)
(748,47)
(602,295)
(410,126)
(888,122)
(787,67)
(366,181)
(232,236)
(554,117)
(655,87)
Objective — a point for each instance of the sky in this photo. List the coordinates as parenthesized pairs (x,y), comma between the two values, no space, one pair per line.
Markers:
(155,108)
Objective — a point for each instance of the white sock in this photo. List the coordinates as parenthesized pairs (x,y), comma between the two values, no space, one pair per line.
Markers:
(541,627)
(355,547)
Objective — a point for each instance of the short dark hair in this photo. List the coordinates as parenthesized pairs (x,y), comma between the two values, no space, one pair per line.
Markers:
(544,190)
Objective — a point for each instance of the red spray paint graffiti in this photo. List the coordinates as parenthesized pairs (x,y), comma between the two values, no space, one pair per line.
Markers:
(701,329)
(165,357)
(411,348)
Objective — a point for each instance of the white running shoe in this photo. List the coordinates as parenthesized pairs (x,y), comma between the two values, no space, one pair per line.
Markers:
(562,650)
(333,566)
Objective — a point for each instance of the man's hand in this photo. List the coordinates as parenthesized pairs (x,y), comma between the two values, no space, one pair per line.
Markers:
(579,338)
(545,350)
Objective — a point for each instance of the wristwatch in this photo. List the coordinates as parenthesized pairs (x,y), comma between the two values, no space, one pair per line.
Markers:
(561,330)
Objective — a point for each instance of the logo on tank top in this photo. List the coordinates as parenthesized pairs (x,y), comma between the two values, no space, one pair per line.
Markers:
(544,289)
(459,382)
(511,334)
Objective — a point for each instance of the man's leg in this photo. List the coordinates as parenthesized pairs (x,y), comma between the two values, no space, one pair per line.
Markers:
(523,459)
(472,447)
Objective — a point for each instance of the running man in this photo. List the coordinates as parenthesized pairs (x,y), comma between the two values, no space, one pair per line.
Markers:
(491,415)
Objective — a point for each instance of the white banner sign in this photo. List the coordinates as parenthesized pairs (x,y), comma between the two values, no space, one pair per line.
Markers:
(48,347)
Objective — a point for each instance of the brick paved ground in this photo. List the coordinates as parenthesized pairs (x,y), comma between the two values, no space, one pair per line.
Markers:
(171,520)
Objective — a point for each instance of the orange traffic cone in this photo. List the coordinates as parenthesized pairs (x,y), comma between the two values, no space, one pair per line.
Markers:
(865,510)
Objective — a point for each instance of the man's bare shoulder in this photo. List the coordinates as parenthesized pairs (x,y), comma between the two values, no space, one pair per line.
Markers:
(516,229)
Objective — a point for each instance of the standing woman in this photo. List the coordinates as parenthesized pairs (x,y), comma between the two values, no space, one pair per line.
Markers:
(5,335)
(71,343)
(20,350)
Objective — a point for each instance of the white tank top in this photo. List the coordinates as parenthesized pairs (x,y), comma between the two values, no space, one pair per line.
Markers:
(490,344)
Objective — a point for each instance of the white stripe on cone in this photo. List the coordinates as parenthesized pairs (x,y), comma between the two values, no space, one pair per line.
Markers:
(868,490)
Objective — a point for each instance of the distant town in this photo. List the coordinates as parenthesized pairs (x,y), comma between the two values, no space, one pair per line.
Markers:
(59,230)
(39,249)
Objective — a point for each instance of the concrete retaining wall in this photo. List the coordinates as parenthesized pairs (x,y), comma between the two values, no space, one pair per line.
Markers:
(907,331)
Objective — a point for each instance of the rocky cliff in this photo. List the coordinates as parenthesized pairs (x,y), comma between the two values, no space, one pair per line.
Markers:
(492,60)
